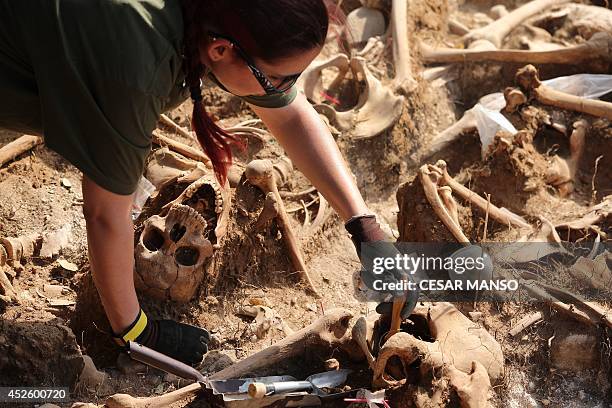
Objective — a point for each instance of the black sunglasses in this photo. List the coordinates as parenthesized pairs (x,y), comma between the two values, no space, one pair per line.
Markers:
(263,80)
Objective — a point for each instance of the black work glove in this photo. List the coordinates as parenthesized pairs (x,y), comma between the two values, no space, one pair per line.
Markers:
(370,242)
(180,341)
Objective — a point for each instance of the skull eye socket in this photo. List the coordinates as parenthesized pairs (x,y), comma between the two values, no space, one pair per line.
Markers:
(186,256)
(153,239)
(177,232)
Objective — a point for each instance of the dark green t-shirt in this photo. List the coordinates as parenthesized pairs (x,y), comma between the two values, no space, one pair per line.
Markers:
(93,76)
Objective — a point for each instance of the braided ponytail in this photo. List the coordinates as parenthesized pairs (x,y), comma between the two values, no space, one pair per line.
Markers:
(215,141)
(270,29)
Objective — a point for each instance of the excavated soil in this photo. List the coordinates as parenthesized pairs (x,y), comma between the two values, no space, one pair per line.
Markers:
(42,342)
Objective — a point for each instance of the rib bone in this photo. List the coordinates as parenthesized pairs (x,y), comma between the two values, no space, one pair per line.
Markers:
(261,173)
(430,176)
(503,216)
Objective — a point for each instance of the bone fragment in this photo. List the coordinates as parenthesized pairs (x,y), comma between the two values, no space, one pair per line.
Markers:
(322,215)
(563,171)
(7,291)
(18,147)
(446,194)
(360,335)
(269,211)
(496,31)
(474,388)
(527,77)
(524,323)
(311,80)
(261,173)
(597,48)
(181,148)
(403,81)
(498,11)
(172,124)
(456,27)
(514,99)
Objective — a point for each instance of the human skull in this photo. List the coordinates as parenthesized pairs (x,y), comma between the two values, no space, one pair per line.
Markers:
(175,245)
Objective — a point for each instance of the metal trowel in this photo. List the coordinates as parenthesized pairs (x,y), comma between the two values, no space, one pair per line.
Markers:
(315,384)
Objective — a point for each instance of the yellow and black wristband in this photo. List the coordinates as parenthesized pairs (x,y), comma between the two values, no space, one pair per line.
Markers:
(133,331)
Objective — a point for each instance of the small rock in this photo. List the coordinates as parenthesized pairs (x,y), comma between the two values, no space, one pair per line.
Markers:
(128,366)
(582,395)
(475,316)
(173,379)
(546,402)
(67,265)
(90,377)
(66,183)
(364,23)
(218,360)
(212,301)
(312,307)
(216,341)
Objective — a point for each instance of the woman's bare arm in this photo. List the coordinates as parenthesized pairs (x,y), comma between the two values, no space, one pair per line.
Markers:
(110,238)
(313,150)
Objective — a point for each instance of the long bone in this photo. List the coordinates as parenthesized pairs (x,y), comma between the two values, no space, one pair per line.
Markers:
(377,110)
(597,48)
(17,147)
(330,330)
(261,173)
(529,81)
(503,216)
(404,78)
(496,31)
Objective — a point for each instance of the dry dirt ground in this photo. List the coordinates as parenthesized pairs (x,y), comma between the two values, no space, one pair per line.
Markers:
(58,316)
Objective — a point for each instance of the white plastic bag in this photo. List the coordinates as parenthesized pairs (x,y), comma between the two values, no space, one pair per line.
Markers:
(490,121)
(142,194)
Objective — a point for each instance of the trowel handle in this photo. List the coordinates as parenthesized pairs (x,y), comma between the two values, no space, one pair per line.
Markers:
(161,361)
(260,390)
